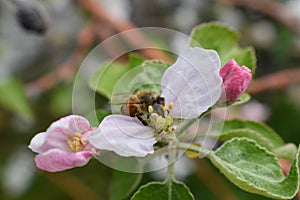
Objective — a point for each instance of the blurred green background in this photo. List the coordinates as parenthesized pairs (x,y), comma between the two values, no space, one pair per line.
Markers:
(37,72)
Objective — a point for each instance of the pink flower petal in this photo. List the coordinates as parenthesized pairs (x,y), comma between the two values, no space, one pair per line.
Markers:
(124,135)
(235,80)
(57,133)
(192,83)
(57,160)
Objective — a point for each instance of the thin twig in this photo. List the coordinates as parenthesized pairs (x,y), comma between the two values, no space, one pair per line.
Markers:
(135,39)
(85,39)
(72,186)
(277,80)
(272,9)
(66,70)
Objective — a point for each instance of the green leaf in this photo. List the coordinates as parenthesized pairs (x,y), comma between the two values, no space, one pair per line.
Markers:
(100,114)
(123,184)
(248,133)
(225,41)
(267,133)
(150,76)
(135,60)
(14,99)
(127,78)
(256,170)
(103,80)
(163,191)
(60,99)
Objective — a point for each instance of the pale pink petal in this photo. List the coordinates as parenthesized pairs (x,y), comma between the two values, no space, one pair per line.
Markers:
(71,123)
(124,135)
(57,133)
(192,83)
(88,146)
(57,160)
(37,142)
(79,124)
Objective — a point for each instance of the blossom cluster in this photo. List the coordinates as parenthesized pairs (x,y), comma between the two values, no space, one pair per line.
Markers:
(192,85)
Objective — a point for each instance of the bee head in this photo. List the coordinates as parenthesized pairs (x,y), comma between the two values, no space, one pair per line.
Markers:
(161,101)
(148,98)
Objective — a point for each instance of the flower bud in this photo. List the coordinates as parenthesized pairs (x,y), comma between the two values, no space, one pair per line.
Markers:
(235,81)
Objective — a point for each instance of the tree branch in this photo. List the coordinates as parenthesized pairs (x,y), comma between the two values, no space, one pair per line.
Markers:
(135,39)
(277,80)
(66,70)
(272,9)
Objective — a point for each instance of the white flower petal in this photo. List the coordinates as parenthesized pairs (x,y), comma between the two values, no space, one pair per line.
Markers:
(124,135)
(37,142)
(192,83)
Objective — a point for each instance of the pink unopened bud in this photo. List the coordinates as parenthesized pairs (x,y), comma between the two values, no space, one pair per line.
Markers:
(235,81)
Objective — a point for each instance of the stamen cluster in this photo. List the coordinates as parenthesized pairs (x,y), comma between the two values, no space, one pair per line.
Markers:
(75,142)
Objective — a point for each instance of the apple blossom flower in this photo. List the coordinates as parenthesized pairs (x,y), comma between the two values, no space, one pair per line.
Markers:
(64,145)
(235,81)
(190,86)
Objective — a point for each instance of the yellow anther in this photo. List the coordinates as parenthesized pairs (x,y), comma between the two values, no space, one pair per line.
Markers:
(165,108)
(77,134)
(171,105)
(75,142)
(150,109)
(69,137)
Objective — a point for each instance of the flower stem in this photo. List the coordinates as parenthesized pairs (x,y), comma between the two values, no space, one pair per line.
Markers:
(172,148)
(172,156)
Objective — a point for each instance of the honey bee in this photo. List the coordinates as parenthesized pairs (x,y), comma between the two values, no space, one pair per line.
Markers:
(137,105)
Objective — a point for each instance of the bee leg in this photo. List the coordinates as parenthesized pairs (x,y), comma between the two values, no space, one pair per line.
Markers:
(142,120)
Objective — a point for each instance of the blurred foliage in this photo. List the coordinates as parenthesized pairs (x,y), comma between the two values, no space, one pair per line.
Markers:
(13,98)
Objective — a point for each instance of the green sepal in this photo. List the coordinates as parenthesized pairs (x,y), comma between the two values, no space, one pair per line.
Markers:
(244,98)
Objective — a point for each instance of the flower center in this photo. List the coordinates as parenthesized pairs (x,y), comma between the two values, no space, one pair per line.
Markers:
(75,142)
(161,122)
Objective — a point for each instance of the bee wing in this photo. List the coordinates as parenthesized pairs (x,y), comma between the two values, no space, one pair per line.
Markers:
(121,98)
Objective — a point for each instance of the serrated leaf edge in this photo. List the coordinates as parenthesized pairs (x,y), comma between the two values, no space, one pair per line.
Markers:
(262,125)
(216,24)
(271,146)
(255,188)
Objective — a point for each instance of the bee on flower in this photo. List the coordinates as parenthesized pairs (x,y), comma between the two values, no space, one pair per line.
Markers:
(189,87)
